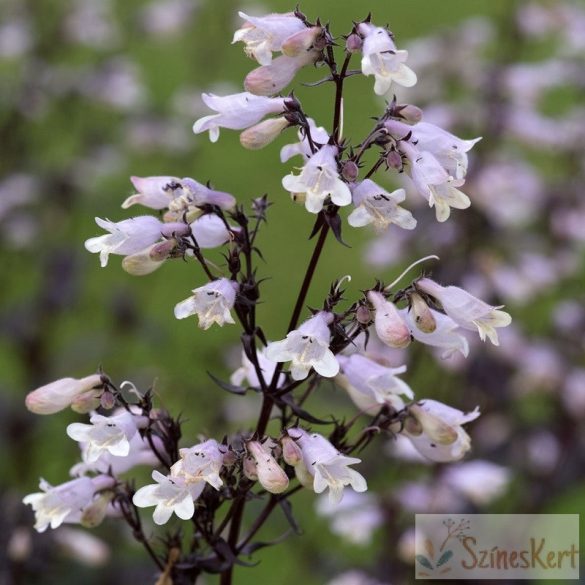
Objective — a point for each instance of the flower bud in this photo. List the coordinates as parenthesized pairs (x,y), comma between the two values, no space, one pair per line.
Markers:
(229,458)
(394,160)
(149,260)
(304,40)
(423,317)
(363,315)
(60,394)
(270,79)
(410,114)
(350,171)
(354,43)
(263,133)
(390,327)
(291,452)
(249,468)
(107,400)
(270,475)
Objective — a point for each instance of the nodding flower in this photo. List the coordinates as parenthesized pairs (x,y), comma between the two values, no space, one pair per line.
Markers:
(307,347)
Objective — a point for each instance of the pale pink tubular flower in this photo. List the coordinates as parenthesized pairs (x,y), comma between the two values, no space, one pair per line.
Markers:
(164,192)
(263,35)
(383,60)
(466,310)
(374,205)
(140,453)
(371,385)
(153,192)
(236,112)
(319,179)
(67,502)
(307,347)
(201,464)
(433,182)
(388,322)
(107,433)
(326,465)
(445,336)
(270,79)
(449,150)
(436,430)
(130,236)
(61,394)
(211,303)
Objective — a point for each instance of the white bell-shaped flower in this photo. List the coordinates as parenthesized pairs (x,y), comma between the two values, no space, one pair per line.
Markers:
(169,494)
(107,434)
(236,112)
(328,467)
(307,347)
(449,150)
(211,303)
(436,431)
(370,384)
(201,463)
(381,59)
(466,310)
(434,183)
(141,453)
(376,206)
(264,34)
(130,236)
(66,502)
(319,179)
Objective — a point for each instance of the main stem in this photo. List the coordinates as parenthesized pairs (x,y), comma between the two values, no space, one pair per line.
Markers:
(268,403)
(237,510)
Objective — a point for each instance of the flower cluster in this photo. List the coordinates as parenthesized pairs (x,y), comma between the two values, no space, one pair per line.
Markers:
(336,341)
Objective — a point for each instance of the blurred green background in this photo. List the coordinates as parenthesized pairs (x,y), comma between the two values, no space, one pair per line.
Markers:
(62,315)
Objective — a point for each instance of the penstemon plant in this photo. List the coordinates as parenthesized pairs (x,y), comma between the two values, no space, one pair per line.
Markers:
(209,484)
